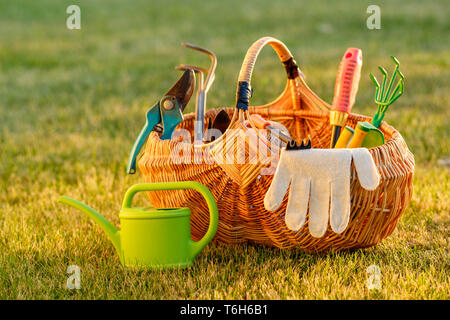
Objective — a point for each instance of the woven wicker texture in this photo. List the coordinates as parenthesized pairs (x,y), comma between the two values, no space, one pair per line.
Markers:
(239,190)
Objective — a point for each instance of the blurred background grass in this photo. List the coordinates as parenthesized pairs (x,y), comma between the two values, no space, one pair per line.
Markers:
(73,101)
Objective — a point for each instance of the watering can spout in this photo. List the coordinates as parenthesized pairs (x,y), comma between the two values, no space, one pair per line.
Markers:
(111,232)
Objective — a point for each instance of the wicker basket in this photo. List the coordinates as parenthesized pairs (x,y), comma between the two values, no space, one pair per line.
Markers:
(239,196)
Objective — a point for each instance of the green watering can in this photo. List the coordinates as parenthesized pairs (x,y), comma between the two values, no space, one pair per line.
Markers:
(152,237)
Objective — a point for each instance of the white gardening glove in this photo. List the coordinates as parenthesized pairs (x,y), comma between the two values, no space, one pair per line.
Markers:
(315,175)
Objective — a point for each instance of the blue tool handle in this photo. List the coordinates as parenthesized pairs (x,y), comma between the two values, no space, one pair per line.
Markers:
(169,128)
(131,167)
(170,118)
(152,119)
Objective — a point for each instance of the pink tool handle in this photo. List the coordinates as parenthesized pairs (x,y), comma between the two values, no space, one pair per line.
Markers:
(347,80)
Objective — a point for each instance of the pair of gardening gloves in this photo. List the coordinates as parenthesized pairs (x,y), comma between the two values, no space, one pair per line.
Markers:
(320,178)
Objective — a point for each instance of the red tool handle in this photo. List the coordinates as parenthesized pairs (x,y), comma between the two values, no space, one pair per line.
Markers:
(347,80)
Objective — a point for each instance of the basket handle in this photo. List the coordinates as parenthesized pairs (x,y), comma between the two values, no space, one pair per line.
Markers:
(244,91)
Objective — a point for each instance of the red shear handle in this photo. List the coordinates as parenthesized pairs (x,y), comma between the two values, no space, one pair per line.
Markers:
(347,80)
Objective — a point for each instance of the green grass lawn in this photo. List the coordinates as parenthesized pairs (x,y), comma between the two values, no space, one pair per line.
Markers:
(73,101)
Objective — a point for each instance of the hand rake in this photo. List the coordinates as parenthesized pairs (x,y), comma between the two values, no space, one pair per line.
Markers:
(383,98)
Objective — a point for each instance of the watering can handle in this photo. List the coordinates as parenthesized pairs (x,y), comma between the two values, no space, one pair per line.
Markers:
(196,246)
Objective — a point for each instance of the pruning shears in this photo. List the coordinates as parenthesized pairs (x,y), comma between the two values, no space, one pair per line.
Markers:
(165,115)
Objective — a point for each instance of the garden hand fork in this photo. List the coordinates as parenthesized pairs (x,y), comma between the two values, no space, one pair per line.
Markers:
(203,87)
(383,98)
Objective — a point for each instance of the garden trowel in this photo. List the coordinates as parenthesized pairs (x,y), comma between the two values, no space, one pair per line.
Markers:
(165,115)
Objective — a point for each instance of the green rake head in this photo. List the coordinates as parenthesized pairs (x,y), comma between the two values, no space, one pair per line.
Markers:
(384,98)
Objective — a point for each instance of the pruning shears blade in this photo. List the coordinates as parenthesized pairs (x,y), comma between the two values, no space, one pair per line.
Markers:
(183,88)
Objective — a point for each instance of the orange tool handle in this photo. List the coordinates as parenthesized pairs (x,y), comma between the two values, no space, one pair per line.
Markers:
(259,121)
(347,80)
(262,123)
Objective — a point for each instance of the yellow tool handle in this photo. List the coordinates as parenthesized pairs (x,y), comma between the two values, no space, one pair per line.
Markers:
(358,138)
(344,138)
